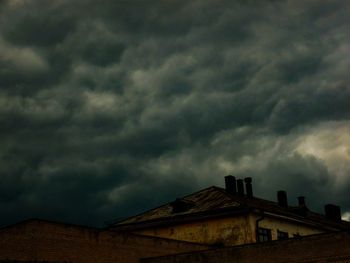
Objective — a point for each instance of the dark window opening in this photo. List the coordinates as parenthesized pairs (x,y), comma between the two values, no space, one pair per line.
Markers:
(179,206)
(264,234)
(282,235)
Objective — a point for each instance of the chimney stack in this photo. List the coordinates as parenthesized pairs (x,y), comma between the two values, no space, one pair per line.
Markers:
(282,199)
(301,201)
(332,212)
(230,184)
(240,187)
(248,187)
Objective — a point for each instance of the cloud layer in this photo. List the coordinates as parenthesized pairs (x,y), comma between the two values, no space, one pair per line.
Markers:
(107,109)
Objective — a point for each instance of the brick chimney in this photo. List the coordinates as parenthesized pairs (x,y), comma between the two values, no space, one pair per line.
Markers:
(301,201)
(230,184)
(282,199)
(240,187)
(248,187)
(332,212)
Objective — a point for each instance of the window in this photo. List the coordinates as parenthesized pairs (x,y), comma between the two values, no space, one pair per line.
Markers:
(264,234)
(282,235)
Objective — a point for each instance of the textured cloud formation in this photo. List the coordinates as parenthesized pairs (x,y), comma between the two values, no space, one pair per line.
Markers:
(107,109)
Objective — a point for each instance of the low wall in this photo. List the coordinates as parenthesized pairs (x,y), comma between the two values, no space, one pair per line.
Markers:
(332,247)
(38,241)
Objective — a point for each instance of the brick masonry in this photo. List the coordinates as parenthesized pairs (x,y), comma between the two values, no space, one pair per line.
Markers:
(331,247)
(42,241)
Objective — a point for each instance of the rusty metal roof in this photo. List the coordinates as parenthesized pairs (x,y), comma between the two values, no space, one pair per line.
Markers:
(215,201)
(203,201)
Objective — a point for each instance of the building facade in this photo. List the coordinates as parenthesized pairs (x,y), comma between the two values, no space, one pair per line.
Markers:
(212,225)
(232,216)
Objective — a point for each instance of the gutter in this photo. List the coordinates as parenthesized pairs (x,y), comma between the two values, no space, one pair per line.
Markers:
(257,225)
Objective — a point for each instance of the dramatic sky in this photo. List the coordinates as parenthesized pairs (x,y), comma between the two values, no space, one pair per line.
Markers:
(108,108)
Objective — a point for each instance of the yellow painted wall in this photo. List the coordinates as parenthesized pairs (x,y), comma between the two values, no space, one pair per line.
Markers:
(286,226)
(228,231)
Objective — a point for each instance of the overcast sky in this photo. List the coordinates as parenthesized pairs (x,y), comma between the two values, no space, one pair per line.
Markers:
(108,108)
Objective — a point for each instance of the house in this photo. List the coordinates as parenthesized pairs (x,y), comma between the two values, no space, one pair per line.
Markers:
(232,216)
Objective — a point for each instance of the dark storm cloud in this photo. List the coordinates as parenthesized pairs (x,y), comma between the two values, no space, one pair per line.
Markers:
(111,108)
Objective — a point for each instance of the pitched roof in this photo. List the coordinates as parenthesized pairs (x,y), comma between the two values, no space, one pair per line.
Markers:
(215,201)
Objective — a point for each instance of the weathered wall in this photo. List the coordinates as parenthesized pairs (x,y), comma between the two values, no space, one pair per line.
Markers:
(287,226)
(228,231)
(45,241)
(331,247)
(237,230)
